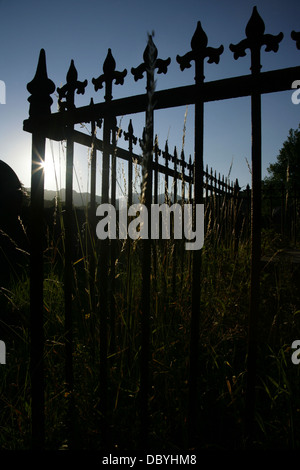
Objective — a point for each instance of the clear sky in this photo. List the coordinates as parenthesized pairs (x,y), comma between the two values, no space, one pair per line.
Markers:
(84,30)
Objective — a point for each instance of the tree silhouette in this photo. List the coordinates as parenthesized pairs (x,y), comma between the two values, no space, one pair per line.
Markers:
(286,170)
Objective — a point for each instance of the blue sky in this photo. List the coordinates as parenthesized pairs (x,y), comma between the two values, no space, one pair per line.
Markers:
(84,31)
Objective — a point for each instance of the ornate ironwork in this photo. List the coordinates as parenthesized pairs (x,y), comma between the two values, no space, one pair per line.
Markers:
(40,88)
(199,52)
(255,40)
(150,62)
(110,74)
(68,90)
(54,125)
(166,154)
(132,140)
(129,136)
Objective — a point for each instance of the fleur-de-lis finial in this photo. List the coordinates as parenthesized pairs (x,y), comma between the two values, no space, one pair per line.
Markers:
(68,90)
(129,135)
(296,37)
(110,74)
(40,88)
(255,39)
(150,61)
(199,52)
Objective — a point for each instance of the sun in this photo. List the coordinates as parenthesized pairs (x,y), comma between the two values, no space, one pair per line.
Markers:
(53,169)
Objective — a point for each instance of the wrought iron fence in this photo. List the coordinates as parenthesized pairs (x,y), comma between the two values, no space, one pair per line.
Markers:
(201,186)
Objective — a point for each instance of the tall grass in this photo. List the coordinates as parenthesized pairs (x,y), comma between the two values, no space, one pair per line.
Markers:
(223,343)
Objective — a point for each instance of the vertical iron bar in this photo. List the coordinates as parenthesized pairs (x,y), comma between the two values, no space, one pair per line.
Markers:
(198,54)
(131,140)
(154,246)
(156,154)
(190,180)
(130,175)
(92,260)
(255,39)
(69,284)
(174,268)
(36,291)
(255,262)
(166,155)
(103,282)
(40,101)
(197,262)
(150,63)
(146,268)
(110,74)
(113,246)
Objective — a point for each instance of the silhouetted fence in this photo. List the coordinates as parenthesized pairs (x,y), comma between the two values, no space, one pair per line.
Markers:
(200,185)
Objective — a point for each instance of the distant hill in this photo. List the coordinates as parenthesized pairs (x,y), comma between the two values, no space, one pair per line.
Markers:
(81,199)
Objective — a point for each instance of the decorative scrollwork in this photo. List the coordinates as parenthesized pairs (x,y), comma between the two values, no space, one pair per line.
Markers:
(129,136)
(68,90)
(150,61)
(255,38)
(110,74)
(199,51)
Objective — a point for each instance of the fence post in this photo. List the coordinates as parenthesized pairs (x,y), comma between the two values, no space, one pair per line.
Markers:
(198,53)
(254,41)
(92,225)
(67,92)
(183,166)
(115,134)
(109,74)
(40,101)
(174,266)
(149,65)
(190,166)
(131,140)
(167,158)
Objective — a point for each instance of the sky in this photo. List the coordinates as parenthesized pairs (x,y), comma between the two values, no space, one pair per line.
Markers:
(84,30)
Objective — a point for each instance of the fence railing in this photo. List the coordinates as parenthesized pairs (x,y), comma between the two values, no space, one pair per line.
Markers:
(58,126)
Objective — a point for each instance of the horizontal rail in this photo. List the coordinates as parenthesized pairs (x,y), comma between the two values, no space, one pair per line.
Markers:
(88,141)
(54,124)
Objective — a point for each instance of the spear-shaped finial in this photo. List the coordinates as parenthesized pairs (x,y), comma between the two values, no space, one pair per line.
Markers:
(110,74)
(255,39)
(151,61)
(199,52)
(129,135)
(68,90)
(40,88)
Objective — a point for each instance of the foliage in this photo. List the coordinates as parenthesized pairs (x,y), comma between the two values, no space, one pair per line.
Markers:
(286,170)
(224,284)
